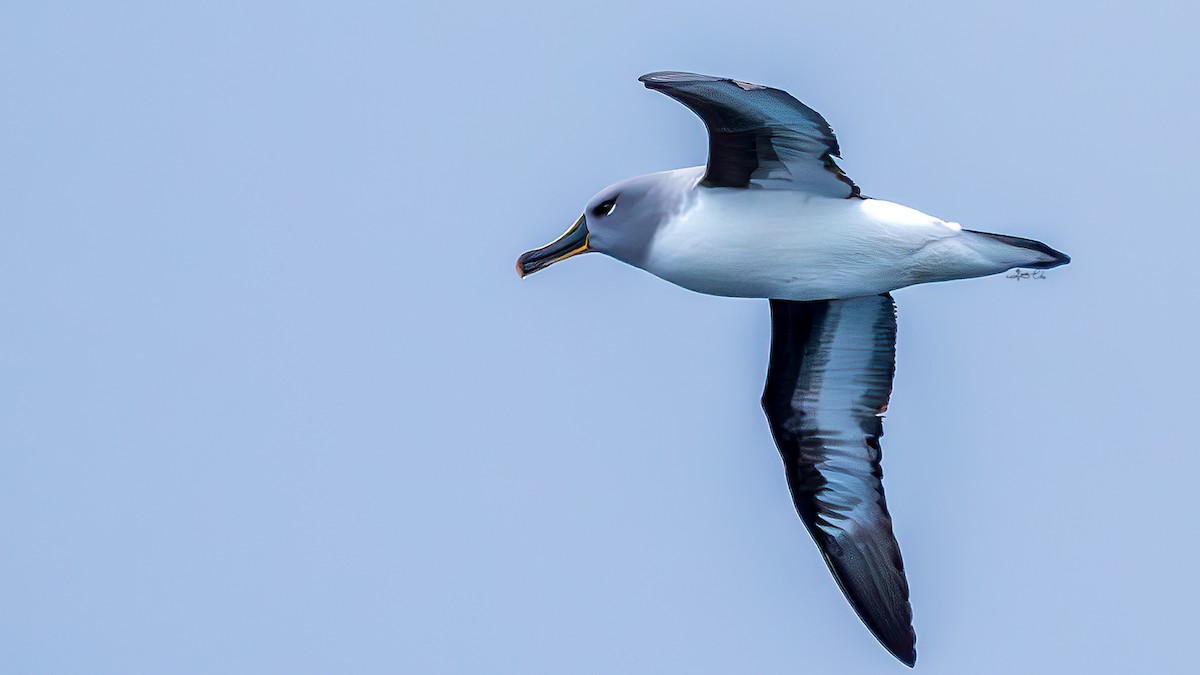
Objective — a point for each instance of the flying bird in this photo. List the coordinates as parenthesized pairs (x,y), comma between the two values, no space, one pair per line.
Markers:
(772,215)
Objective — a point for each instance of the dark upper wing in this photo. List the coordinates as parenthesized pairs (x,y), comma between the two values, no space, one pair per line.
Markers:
(829,380)
(759,136)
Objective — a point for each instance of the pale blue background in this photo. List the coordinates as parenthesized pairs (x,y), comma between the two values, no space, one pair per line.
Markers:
(272,399)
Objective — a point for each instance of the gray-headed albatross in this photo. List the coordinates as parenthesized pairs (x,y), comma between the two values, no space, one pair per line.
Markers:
(772,216)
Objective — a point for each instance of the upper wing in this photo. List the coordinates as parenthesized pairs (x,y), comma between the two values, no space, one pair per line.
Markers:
(759,136)
(829,381)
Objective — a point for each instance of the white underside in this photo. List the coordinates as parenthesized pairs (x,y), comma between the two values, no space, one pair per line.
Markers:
(796,246)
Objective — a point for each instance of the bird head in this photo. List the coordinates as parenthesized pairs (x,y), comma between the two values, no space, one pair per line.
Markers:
(620,221)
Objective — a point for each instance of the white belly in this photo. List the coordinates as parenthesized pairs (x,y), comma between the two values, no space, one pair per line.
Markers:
(795,246)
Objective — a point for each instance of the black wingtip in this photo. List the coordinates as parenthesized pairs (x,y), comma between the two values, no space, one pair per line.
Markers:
(903,647)
(665,77)
(906,656)
(901,644)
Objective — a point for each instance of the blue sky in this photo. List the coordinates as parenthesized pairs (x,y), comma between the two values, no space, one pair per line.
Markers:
(274,400)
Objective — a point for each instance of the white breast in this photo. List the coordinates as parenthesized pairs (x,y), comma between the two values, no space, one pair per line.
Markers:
(791,245)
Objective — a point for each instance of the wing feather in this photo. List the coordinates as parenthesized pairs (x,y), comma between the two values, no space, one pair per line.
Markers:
(759,136)
(829,381)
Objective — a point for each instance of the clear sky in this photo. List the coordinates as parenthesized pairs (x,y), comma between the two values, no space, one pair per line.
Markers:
(273,400)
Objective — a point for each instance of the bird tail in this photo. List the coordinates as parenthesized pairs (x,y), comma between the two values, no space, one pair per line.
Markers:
(1017,251)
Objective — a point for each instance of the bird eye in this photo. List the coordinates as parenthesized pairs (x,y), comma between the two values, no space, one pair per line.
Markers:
(604,208)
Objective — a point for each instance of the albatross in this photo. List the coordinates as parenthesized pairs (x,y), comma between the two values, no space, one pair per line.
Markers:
(771,215)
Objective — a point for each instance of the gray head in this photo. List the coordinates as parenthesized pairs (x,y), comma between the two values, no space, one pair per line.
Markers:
(619,221)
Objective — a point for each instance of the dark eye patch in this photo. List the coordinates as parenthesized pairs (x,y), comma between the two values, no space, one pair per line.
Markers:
(605,207)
